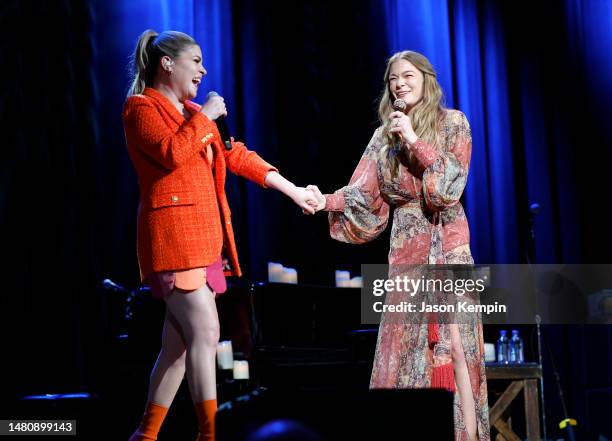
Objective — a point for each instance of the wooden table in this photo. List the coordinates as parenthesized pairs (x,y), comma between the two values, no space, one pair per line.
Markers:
(523,377)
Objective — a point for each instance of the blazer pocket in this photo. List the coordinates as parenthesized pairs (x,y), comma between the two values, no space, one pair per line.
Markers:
(172,199)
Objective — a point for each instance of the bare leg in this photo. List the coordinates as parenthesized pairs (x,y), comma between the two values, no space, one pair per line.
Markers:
(166,378)
(169,368)
(462,379)
(196,313)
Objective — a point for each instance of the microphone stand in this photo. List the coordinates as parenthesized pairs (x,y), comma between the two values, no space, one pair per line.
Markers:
(534,209)
(567,423)
(538,323)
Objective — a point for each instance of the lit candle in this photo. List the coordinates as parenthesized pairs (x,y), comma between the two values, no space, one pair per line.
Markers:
(225,355)
(275,272)
(283,277)
(356,282)
(343,278)
(489,352)
(291,275)
(241,370)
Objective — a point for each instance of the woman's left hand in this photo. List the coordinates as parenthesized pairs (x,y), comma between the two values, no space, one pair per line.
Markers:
(401,124)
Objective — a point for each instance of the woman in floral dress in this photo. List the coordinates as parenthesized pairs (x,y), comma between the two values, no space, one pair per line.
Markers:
(418,161)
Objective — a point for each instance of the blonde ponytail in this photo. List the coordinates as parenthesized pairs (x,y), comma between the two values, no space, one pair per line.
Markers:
(140,62)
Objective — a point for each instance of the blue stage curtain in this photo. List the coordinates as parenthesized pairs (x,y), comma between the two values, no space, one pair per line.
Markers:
(534,150)
(467,53)
(260,133)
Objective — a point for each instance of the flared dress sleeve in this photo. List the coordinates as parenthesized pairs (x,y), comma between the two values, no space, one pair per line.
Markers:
(358,213)
(446,172)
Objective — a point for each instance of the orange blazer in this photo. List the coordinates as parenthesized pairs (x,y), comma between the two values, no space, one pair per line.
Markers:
(184,220)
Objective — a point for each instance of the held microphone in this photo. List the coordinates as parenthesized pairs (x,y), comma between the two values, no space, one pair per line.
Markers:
(221,124)
(400,105)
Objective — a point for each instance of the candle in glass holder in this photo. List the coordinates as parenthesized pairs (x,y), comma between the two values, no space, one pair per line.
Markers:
(225,355)
(287,275)
(489,352)
(343,278)
(275,272)
(356,282)
(291,275)
(241,370)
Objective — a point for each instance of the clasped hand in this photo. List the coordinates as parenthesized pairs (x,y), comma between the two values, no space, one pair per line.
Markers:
(309,198)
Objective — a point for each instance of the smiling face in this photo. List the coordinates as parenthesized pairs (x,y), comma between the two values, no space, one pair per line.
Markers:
(406,82)
(187,72)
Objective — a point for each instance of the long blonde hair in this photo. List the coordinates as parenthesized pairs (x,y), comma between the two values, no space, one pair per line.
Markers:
(149,49)
(425,115)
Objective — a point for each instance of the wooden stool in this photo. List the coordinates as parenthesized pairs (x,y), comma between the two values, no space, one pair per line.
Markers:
(524,377)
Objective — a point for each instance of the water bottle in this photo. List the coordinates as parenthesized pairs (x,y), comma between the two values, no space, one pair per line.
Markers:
(515,354)
(502,347)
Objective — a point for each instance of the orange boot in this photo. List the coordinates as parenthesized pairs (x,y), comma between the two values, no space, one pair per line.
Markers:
(206,411)
(151,422)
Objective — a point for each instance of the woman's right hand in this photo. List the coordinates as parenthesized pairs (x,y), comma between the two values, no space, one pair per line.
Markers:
(318,196)
(214,107)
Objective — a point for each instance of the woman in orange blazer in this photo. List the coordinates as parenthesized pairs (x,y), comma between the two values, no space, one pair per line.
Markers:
(184,221)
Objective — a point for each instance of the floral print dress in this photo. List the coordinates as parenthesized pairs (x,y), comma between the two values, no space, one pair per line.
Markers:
(429,227)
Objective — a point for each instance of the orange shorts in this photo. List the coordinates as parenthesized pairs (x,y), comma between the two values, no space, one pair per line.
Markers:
(163,282)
